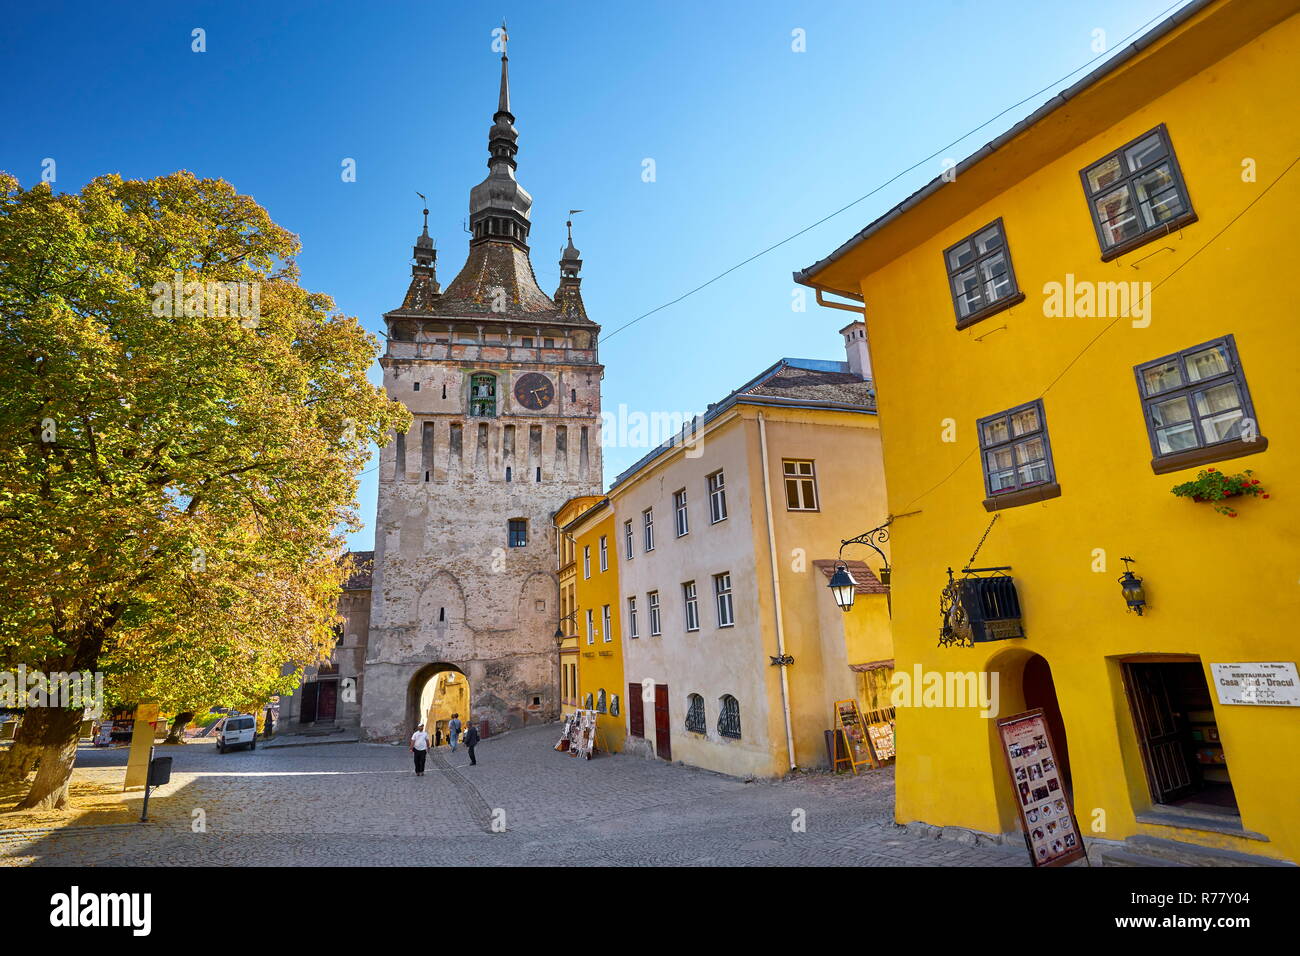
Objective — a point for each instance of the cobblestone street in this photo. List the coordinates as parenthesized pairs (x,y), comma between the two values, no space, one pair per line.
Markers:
(361,804)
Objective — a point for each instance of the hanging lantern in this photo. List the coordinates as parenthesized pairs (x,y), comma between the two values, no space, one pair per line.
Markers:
(843,587)
(1135,596)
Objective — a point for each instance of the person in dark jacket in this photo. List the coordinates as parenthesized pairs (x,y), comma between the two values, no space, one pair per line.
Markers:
(471,740)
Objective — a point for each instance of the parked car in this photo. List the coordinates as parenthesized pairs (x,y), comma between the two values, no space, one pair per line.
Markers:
(239,730)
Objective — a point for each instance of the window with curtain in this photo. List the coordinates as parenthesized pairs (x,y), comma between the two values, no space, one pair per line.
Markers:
(1136,193)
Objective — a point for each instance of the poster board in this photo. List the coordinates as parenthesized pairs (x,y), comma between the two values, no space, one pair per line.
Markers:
(849,719)
(1046,808)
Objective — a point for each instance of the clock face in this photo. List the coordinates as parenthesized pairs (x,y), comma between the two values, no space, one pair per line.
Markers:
(534,391)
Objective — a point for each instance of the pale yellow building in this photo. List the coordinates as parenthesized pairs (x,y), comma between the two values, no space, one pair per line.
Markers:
(724,535)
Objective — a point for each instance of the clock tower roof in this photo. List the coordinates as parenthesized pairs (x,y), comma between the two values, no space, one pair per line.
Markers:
(497,281)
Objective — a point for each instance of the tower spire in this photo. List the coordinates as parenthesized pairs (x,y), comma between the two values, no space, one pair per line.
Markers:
(499,206)
(569,294)
(503,101)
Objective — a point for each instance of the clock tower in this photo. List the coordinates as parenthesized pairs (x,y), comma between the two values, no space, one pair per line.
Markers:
(503,383)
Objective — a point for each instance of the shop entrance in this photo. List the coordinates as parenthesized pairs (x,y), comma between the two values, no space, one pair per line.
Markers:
(1173,714)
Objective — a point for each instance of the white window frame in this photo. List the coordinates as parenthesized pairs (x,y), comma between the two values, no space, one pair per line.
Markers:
(801,481)
(656,621)
(648,527)
(631,618)
(629,539)
(607,632)
(604,553)
(717,484)
(725,607)
(586,560)
(682,518)
(691,599)
(591,627)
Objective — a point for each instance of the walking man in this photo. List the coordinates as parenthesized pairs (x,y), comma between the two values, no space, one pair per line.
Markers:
(453,731)
(471,740)
(420,749)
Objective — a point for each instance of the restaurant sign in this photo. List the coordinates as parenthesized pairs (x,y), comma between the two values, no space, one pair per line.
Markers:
(1274,683)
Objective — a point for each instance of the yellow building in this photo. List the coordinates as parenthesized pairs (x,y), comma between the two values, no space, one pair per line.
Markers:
(727,536)
(599,639)
(566,634)
(1096,308)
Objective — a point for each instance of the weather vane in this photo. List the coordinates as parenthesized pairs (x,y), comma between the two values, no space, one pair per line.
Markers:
(426,208)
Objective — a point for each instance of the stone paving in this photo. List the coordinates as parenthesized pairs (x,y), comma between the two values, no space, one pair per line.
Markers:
(361,804)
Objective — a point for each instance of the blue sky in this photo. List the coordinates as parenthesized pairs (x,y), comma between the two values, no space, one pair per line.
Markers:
(751,140)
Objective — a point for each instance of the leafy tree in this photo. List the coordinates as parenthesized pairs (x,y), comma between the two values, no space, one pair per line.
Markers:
(181,429)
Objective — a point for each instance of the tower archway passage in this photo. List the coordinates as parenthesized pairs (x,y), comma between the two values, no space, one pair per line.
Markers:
(437,692)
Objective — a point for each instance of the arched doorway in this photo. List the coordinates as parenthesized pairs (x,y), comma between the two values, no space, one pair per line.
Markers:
(1024,683)
(437,692)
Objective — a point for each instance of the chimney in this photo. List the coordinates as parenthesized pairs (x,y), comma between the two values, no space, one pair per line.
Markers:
(855,345)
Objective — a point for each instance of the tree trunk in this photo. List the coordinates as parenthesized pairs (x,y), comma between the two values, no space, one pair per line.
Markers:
(178,727)
(57,745)
(20,759)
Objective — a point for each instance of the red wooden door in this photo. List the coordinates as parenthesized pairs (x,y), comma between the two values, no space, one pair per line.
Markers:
(327,701)
(663,745)
(636,713)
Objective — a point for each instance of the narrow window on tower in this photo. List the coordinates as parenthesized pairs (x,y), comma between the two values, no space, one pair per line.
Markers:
(507,472)
(539,472)
(416,387)
(426,448)
(401,455)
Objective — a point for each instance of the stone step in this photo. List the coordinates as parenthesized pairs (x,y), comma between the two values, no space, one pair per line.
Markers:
(1145,850)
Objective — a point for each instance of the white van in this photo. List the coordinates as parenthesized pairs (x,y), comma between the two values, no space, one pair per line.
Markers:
(239,730)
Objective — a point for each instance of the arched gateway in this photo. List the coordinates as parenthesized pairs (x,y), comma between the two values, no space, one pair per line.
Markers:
(437,691)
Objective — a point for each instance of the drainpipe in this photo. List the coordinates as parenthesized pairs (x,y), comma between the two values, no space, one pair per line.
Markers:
(776,591)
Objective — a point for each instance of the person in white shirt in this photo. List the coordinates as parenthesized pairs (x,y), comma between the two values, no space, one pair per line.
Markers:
(420,748)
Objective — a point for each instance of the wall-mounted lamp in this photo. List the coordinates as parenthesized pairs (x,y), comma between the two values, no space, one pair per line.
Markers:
(843,586)
(1135,596)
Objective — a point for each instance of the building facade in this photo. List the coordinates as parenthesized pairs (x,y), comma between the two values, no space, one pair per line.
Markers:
(600,632)
(1087,316)
(566,633)
(330,693)
(503,382)
(721,536)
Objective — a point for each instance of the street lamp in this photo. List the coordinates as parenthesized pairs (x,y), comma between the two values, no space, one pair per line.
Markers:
(559,632)
(843,586)
(1135,596)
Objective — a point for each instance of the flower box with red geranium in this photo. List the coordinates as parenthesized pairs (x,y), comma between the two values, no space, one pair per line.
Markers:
(1213,485)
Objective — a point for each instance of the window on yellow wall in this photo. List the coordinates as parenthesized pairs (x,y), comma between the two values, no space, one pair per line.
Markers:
(980,277)
(800,485)
(1137,193)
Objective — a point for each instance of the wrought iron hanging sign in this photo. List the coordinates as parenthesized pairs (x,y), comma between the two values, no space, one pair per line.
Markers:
(974,609)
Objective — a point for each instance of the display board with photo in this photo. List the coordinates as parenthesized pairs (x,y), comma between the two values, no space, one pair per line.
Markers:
(1045,808)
